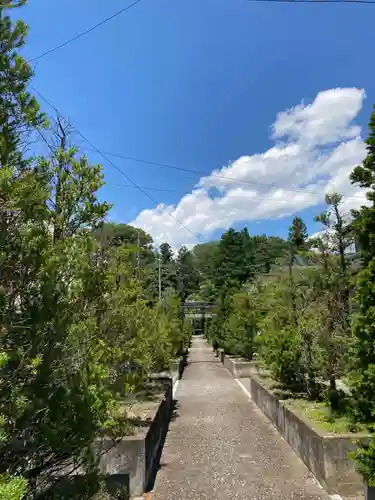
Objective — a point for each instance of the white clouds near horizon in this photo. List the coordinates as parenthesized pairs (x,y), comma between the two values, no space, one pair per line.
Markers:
(316,147)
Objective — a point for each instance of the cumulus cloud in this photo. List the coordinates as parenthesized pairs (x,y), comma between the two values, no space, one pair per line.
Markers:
(316,147)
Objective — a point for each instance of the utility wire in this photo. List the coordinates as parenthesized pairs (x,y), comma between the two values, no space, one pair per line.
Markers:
(204,174)
(162,190)
(262,197)
(134,184)
(232,179)
(44,139)
(143,190)
(199,172)
(86,32)
(128,7)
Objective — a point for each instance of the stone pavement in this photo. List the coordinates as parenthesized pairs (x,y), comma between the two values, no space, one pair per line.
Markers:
(221,447)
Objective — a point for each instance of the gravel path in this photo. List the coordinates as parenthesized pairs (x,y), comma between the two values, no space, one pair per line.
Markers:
(221,447)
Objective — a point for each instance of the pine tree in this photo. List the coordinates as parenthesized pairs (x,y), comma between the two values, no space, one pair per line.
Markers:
(19,111)
(187,274)
(298,233)
(235,259)
(297,241)
(19,197)
(168,268)
(334,289)
(363,350)
(166,254)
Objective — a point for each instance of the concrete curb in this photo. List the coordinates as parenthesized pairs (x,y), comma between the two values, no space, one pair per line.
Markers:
(335,496)
(325,454)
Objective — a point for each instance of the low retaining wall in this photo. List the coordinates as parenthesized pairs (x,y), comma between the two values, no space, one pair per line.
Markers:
(129,464)
(132,460)
(326,455)
(175,371)
(239,368)
(177,368)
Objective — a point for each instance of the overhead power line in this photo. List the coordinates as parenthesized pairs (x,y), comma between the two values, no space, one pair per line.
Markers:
(262,197)
(198,172)
(162,190)
(105,154)
(263,185)
(128,7)
(143,189)
(44,139)
(133,183)
(84,33)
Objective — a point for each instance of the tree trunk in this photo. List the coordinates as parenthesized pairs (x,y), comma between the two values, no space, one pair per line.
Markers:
(333,396)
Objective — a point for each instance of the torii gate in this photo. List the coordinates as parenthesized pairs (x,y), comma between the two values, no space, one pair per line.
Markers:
(199,311)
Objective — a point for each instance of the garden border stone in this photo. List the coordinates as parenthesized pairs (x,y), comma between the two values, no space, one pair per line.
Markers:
(176,370)
(238,367)
(132,460)
(325,454)
(129,464)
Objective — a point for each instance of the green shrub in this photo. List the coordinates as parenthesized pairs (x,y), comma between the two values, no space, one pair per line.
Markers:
(365,461)
(240,327)
(12,487)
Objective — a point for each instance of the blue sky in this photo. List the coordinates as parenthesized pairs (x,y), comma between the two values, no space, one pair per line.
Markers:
(198,84)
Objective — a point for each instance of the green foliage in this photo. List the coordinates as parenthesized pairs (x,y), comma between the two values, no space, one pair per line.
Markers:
(241,325)
(72,318)
(224,309)
(235,259)
(82,326)
(166,254)
(292,325)
(12,488)
(52,393)
(19,111)
(365,460)
(168,268)
(188,277)
(78,332)
(110,235)
(363,348)
(205,255)
(207,291)
(298,233)
(240,257)
(278,343)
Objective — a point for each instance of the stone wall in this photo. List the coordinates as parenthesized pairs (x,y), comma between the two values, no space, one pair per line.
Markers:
(239,368)
(134,458)
(175,371)
(129,464)
(326,455)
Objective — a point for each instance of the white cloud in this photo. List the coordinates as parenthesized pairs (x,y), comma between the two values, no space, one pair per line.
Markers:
(325,121)
(318,145)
